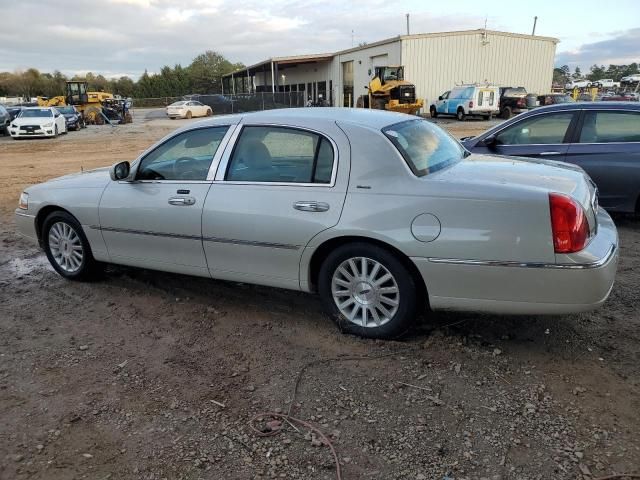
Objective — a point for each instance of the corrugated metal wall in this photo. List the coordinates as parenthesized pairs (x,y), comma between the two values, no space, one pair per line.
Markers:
(437,63)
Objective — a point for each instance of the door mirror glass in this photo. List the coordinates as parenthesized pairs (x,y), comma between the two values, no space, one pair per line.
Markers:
(120,171)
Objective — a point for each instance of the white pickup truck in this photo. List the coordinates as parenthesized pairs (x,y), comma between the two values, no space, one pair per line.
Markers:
(606,83)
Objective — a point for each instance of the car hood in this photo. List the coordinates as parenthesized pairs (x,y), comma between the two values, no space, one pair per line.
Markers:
(32,120)
(547,175)
(97,178)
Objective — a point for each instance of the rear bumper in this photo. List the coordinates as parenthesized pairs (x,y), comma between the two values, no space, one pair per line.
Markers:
(575,283)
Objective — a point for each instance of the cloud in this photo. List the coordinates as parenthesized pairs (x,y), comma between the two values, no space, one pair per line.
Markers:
(621,48)
(133,35)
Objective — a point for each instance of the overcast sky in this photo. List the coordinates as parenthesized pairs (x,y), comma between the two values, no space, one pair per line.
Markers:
(125,37)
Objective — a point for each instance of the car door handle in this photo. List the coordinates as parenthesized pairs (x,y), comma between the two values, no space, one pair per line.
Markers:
(550,153)
(311,206)
(185,201)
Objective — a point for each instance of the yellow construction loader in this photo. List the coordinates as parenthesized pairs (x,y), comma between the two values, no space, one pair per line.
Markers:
(90,104)
(388,90)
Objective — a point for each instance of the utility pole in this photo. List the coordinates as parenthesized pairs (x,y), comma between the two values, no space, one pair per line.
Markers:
(408,24)
(535,21)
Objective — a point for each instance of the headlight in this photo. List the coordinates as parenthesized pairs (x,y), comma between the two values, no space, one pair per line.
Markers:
(23,203)
(50,124)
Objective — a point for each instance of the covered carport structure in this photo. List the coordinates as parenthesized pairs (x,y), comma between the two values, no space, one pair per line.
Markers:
(281,74)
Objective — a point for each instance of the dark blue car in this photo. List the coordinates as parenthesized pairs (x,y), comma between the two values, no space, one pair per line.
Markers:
(601,137)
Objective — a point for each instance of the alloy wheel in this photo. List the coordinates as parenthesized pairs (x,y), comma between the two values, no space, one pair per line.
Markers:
(66,247)
(365,292)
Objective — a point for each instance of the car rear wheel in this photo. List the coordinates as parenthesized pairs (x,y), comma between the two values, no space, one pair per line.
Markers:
(506,113)
(188,115)
(368,291)
(67,247)
(460,114)
(209,112)
(433,112)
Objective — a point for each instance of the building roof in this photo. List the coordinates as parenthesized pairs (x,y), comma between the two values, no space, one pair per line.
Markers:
(320,57)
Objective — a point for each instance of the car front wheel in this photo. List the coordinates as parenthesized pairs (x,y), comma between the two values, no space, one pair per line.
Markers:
(67,247)
(368,291)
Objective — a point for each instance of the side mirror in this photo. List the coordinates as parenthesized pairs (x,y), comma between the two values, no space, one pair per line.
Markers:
(120,171)
(57,115)
(440,97)
(490,141)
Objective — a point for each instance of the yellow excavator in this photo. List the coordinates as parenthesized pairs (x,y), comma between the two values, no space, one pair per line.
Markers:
(92,105)
(388,90)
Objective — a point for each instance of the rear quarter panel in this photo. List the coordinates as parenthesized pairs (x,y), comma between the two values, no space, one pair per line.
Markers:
(476,222)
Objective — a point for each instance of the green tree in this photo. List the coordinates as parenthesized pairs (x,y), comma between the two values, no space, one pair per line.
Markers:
(596,72)
(577,73)
(206,71)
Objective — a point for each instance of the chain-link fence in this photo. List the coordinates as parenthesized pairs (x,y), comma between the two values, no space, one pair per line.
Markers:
(222,104)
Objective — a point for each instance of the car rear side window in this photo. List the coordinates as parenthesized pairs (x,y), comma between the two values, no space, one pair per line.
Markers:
(610,127)
(187,156)
(537,130)
(425,147)
(281,155)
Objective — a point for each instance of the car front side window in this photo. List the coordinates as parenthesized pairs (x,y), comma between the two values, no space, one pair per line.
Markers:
(187,156)
(610,127)
(538,130)
(281,155)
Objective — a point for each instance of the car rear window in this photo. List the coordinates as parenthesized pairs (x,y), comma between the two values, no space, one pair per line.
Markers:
(425,147)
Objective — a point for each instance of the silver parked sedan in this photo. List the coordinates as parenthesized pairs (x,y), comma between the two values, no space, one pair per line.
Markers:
(380,213)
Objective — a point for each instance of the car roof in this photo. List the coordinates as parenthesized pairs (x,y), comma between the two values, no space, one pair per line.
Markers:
(634,106)
(377,119)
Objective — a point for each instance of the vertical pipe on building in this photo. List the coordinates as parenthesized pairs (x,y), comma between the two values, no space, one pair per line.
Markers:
(535,20)
(273,82)
(408,24)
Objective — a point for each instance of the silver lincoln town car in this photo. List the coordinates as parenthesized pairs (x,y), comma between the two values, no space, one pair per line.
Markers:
(380,213)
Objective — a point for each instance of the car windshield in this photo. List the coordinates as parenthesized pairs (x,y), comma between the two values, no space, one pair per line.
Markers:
(66,110)
(36,112)
(177,104)
(425,147)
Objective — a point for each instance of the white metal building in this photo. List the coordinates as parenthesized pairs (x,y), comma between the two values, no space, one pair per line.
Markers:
(434,62)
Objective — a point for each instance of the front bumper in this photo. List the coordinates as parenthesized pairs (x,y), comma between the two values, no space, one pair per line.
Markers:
(26,224)
(575,283)
(41,132)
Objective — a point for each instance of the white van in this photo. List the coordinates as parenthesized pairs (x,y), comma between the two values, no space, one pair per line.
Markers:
(468,100)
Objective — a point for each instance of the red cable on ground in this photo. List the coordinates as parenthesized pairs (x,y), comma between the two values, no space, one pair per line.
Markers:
(291,419)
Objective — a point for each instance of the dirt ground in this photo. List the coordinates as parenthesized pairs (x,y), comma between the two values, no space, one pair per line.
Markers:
(146,375)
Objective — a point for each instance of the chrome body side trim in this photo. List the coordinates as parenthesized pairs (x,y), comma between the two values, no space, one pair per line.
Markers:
(251,243)
(499,263)
(197,237)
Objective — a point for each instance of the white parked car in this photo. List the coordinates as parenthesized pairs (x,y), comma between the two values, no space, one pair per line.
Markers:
(38,122)
(382,214)
(577,84)
(631,78)
(188,109)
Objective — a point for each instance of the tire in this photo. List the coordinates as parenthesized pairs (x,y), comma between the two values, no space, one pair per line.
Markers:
(63,255)
(433,112)
(379,104)
(55,132)
(188,115)
(460,115)
(397,319)
(209,112)
(506,113)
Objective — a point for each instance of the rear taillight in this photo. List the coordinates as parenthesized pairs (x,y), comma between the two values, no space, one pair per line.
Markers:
(568,223)
(470,104)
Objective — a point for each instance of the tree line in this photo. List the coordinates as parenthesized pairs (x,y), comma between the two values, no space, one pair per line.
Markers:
(202,75)
(562,75)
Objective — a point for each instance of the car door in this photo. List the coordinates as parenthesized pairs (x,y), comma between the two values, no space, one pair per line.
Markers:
(607,147)
(154,220)
(542,135)
(441,105)
(275,190)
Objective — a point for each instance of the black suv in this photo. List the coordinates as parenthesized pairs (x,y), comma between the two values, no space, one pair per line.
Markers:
(513,100)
